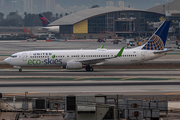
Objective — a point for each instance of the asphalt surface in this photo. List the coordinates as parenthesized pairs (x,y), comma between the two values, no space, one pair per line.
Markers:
(42,84)
(10,47)
(39,81)
(98,72)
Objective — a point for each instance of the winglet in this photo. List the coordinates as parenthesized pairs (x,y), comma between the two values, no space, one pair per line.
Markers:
(102,46)
(120,52)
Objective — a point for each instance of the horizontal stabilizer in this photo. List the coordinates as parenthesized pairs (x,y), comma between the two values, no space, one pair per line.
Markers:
(163,51)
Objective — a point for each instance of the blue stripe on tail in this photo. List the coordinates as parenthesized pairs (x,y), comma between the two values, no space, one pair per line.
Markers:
(158,39)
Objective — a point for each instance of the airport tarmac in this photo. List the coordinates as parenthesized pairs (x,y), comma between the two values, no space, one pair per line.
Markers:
(132,90)
(8,48)
(167,73)
(50,80)
(61,82)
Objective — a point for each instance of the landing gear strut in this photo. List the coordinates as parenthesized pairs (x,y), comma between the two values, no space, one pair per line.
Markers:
(88,68)
(20,70)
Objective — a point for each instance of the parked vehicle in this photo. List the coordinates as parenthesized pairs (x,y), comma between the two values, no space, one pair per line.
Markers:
(101,40)
(177,42)
(116,41)
(131,43)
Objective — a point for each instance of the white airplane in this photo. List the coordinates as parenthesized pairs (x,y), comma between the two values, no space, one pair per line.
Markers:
(78,59)
(45,22)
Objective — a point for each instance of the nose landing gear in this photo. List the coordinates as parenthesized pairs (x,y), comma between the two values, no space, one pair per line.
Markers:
(88,68)
(20,70)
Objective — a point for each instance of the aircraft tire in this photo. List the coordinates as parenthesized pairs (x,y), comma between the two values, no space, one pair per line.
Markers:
(91,69)
(20,70)
(88,68)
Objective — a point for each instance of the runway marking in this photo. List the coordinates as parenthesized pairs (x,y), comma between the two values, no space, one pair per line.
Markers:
(5,55)
(172,93)
(126,78)
(98,78)
(20,94)
(7,69)
(80,78)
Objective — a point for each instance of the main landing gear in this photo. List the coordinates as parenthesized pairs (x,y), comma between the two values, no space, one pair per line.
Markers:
(88,68)
(20,70)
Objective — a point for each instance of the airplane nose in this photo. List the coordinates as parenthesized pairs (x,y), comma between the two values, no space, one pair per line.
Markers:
(6,60)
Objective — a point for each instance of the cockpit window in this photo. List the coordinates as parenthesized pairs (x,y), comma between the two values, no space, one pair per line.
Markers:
(13,56)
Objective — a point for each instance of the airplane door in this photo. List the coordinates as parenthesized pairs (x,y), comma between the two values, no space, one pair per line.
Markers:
(24,57)
(81,56)
(111,55)
(143,55)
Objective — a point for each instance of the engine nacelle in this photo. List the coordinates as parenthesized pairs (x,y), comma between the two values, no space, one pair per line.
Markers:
(74,65)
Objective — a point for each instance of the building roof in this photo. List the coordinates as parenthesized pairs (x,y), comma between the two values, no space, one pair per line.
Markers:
(85,14)
(174,5)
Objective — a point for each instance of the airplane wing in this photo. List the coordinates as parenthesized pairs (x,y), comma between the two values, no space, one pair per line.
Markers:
(99,60)
(163,51)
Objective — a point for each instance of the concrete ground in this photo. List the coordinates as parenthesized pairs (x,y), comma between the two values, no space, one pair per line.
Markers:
(34,76)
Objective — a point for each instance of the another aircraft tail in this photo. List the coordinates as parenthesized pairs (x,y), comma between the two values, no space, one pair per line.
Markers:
(44,20)
(158,39)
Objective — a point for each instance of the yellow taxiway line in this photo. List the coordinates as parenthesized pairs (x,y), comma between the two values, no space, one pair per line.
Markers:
(19,94)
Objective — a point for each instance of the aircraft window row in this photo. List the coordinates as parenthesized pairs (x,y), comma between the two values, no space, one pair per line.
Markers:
(92,55)
(59,56)
(74,55)
(129,55)
(39,56)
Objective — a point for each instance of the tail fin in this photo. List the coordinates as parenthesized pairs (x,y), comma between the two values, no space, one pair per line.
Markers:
(44,20)
(158,39)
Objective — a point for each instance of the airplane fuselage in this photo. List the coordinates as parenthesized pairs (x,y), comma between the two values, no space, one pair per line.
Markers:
(54,29)
(61,57)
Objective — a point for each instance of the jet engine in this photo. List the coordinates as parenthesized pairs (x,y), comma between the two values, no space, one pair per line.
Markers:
(74,65)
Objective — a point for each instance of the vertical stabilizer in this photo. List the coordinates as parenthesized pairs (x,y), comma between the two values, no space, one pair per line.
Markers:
(44,20)
(158,39)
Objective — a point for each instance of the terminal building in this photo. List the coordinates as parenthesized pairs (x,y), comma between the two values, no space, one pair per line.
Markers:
(107,22)
(171,11)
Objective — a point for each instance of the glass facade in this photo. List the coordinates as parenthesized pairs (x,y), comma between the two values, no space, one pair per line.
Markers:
(96,24)
(66,29)
(123,22)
